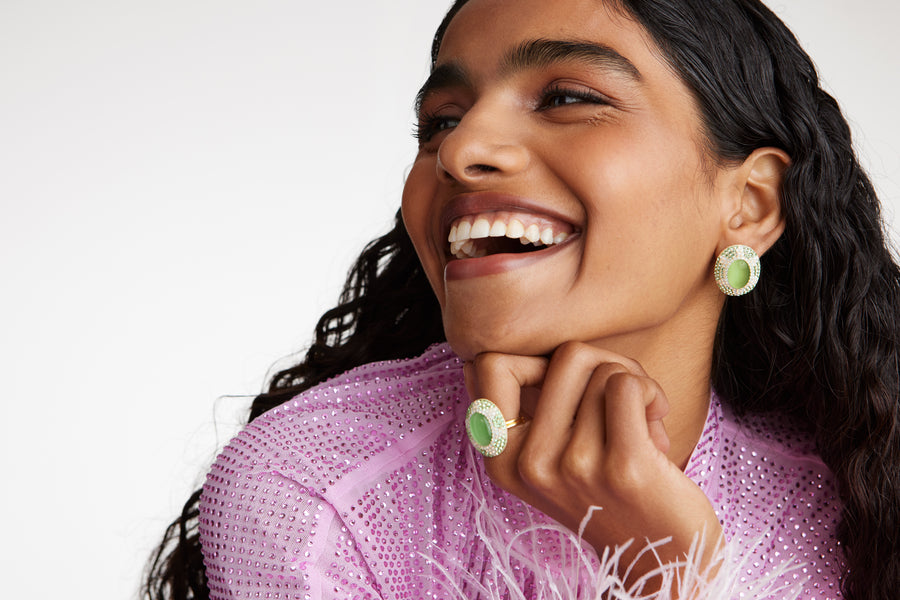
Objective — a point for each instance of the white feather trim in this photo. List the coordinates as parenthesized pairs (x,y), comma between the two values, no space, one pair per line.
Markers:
(518,569)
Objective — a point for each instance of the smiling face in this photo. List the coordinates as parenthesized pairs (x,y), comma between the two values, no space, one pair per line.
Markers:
(565,162)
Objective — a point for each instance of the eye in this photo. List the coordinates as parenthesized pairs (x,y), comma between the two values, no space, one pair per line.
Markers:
(431,125)
(557,96)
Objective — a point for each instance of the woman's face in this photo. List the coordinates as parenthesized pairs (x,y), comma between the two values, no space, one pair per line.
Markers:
(559,122)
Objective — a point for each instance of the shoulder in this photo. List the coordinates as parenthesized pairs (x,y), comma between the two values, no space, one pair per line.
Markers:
(776,451)
(278,502)
(778,493)
(763,470)
(338,426)
(771,462)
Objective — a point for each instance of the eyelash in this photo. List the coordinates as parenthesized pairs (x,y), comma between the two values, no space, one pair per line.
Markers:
(431,124)
(558,91)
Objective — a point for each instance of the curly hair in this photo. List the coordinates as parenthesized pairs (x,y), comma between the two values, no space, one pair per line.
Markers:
(817,339)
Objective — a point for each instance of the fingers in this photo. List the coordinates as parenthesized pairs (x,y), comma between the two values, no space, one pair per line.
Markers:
(589,431)
(589,398)
(501,378)
(633,403)
(604,398)
(563,394)
(596,439)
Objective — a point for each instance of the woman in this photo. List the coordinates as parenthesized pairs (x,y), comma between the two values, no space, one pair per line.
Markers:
(582,165)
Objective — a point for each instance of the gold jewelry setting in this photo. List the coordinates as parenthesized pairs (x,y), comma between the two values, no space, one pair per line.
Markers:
(487,428)
(737,270)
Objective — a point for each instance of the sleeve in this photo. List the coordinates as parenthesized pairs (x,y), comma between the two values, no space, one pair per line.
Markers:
(264,535)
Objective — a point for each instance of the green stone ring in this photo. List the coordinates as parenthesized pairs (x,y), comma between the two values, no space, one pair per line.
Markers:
(737,270)
(487,427)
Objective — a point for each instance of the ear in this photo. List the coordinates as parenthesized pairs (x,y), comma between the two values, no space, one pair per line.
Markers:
(753,215)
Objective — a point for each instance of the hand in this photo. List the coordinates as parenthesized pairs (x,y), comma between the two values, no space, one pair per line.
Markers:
(596,439)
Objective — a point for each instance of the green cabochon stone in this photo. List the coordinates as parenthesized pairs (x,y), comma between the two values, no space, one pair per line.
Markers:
(738,274)
(481,429)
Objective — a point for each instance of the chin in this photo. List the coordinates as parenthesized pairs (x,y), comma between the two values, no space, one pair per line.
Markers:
(467,345)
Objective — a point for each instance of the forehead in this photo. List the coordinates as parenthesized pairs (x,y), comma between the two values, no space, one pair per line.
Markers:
(481,25)
(484,33)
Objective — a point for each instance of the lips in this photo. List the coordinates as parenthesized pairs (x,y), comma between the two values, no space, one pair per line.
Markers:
(490,233)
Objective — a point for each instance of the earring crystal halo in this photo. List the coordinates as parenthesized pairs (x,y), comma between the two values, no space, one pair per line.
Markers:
(737,270)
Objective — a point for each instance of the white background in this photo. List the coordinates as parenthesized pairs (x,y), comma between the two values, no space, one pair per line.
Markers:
(183,185)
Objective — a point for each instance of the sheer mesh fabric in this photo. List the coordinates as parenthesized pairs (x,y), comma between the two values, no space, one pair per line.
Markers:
(367,487)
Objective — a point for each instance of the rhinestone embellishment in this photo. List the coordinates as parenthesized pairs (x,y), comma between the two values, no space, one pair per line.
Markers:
(737,270)
(486,427)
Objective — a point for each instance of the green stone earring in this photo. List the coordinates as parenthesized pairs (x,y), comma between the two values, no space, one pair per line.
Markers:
(737,270)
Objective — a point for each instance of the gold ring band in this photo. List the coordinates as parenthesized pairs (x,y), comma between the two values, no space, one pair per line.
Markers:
(520,420)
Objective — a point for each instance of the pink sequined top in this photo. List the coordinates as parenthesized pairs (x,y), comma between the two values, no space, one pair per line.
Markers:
(366,487)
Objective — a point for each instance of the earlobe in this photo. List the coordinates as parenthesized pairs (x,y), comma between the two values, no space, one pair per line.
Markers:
(757,219)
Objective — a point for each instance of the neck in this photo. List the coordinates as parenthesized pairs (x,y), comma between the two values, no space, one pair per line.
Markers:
(679,358)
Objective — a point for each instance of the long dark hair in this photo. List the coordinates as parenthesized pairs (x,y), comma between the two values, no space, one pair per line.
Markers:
(818,338)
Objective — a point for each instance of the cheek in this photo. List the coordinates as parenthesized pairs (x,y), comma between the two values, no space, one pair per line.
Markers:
(640,182)
(418,193)
(651,217)
(417,208)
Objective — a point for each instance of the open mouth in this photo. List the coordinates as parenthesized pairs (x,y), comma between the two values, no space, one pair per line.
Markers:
(502,232)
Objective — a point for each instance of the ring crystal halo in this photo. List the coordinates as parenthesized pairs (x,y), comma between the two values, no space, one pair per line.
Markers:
(486,427)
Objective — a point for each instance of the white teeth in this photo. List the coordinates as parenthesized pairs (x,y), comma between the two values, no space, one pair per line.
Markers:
(480,228)
(547,236)
(515,229)
(463,232)
(498,229)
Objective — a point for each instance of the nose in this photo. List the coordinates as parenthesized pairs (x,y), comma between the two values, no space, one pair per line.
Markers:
(486,144)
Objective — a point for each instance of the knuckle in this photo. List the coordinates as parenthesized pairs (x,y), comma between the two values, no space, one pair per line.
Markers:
(491,362)
(623,383)
(535,472)
(579,468)
(611,370)
(625,479)
(576,353)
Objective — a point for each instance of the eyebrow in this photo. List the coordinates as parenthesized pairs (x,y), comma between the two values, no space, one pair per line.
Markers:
(533,54)
(543,53)
(444,76)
